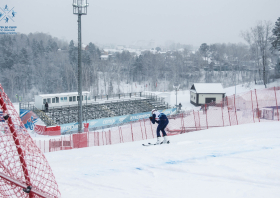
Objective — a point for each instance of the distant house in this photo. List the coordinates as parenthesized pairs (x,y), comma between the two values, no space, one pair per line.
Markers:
(84,47)
(202,93)
(104,57)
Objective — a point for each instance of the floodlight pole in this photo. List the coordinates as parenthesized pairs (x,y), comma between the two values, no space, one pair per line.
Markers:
(235,81)
(176,88)
(86,108)
(164,82)
(80,111)
(176,96)
(80,8)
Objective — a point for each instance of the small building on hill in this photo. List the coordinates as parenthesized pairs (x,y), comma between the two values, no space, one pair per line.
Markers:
(202,93)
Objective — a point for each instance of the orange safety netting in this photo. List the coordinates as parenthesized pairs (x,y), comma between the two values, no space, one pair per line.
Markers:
(22,163)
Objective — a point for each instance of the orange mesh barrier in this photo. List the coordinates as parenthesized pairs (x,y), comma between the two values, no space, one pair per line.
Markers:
(22,163)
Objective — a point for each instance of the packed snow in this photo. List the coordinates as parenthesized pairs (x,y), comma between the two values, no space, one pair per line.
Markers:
(238,161)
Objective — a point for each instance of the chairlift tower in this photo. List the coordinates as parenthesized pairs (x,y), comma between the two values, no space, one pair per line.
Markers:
(80,8)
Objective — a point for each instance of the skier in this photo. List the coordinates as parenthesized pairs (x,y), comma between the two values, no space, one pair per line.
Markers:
(180,106)
(47,106)
(162,121)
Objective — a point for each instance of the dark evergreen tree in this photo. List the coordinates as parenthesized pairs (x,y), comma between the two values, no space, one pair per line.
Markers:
(73,53)
(158,49)
(276,35)
(277,67)
(137,68)
(35,49)
(91,48)
(24,57)
(86,58)
(41,47)
(203,49)
(54,46)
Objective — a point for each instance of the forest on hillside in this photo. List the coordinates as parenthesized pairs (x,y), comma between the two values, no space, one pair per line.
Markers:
(38,63)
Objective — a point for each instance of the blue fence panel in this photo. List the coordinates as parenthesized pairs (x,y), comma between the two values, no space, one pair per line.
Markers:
(113,120)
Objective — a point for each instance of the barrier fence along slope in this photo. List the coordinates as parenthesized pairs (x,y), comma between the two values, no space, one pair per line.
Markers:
(250,107)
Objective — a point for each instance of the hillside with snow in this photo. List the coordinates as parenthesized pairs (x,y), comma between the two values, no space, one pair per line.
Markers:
(238,161)
(183,96)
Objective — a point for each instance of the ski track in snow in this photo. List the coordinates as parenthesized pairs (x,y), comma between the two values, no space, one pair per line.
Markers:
(237,161)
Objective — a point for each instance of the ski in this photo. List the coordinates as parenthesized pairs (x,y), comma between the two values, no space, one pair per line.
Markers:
(150,144)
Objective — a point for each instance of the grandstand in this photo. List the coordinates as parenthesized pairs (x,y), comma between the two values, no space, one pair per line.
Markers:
(101,106)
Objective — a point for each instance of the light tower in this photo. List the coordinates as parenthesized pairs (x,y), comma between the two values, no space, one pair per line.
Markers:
(176,87)
(80,8)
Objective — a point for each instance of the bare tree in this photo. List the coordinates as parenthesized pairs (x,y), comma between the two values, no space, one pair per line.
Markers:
(258,38)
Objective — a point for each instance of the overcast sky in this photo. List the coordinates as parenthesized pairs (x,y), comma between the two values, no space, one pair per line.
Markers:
(126,21)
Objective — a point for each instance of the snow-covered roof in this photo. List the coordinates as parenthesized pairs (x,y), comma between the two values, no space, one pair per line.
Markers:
(63,94)
(208,88)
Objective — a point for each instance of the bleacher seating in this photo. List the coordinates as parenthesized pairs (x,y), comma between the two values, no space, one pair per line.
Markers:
(102,109)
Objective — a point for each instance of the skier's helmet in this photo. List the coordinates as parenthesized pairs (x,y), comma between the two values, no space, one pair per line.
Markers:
(154,110)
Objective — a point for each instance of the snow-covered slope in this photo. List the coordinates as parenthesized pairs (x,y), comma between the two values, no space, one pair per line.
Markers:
(183,97)
(231,162)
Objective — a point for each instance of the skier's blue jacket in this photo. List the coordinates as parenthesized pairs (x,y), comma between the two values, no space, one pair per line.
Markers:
(163,120)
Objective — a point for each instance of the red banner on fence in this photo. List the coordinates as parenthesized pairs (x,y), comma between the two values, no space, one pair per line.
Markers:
(53,130)
(43,130)
(80,140)
(86,125)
